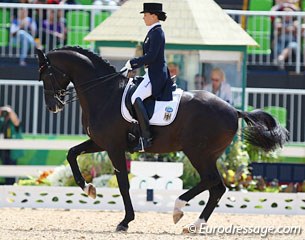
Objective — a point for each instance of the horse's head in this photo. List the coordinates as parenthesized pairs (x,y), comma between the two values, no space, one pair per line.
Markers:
(55,82)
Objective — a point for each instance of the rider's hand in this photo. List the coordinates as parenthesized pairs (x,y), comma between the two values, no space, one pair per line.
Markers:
(126,69)
(128,65)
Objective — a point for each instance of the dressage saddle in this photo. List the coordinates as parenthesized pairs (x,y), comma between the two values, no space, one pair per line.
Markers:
(149,102)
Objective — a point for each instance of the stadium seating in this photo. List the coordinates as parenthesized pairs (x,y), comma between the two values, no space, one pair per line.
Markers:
(76,38)
(4,18)
(84,2)
(100,17)
(78,26)
(260,5)
(78,20)
(4,37)
(4,27)
(259,27)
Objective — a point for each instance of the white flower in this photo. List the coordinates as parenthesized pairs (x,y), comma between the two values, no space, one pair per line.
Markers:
(102,180)
(60,175)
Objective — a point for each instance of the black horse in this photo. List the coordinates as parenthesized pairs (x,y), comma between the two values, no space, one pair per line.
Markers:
(204,126)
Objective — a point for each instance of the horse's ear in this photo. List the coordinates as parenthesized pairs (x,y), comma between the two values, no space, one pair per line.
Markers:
(42,58)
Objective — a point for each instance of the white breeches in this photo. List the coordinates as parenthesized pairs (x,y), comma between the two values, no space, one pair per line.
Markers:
(144,89)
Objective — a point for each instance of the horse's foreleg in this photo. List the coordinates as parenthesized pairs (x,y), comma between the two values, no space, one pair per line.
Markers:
(86,147)
(119,162)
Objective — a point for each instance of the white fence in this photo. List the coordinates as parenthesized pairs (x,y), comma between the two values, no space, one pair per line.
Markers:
(287,104)
(163,200)
(26,97)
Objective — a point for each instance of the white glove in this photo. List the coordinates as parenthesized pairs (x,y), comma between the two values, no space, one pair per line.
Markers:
(128,65)
(126,69)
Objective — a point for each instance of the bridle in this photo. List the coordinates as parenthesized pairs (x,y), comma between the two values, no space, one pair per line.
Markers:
(59,94)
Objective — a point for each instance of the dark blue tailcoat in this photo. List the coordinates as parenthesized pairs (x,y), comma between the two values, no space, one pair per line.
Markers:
(153,58)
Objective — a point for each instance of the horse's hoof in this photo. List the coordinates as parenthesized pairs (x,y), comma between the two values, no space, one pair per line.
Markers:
(121,228)
(177,215)
(90,190)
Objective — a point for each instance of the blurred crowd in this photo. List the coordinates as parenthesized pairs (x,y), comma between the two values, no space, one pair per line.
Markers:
(29,28)
(104,2)
(285,31)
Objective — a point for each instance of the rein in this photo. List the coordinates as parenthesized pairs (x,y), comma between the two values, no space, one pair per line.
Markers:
(71,91)
(58,94)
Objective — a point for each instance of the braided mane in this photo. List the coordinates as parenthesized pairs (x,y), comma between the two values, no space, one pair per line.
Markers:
(97,60)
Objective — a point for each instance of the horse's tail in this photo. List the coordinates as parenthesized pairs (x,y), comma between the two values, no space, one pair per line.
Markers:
(263,130)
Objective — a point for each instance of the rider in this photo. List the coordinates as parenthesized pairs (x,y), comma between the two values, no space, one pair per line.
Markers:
(156,80)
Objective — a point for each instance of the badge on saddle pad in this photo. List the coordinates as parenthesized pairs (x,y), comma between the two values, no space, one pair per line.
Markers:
(164,112)
(168,113)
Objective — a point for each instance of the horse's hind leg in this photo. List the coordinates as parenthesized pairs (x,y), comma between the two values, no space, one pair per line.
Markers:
(216,189)
(86,147)
(210,180)
(216,193)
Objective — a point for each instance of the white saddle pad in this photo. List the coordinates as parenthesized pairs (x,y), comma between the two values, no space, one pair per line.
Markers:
(164,113)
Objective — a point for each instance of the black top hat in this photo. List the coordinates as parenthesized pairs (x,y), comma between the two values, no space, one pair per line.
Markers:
(152,8)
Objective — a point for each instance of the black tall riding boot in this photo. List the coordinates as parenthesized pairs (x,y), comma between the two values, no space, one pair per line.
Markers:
(145,140)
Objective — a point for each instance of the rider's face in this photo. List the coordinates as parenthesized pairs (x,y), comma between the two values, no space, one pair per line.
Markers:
(150,19)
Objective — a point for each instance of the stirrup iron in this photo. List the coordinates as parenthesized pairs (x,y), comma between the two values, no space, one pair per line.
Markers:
(142,145)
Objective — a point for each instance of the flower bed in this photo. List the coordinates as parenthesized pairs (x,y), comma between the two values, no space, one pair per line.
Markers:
(97,168)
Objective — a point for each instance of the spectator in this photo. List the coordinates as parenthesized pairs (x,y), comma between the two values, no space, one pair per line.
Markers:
(23,30)
(52,1)
(30,11)
(280,4)
(175,71)
(72,2)
(9,126)
(53,29)
(199,82)
(218,85)
(40,1)
(285,34)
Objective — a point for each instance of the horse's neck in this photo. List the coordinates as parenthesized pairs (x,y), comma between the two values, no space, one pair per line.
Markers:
(91,93)
(101,96)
